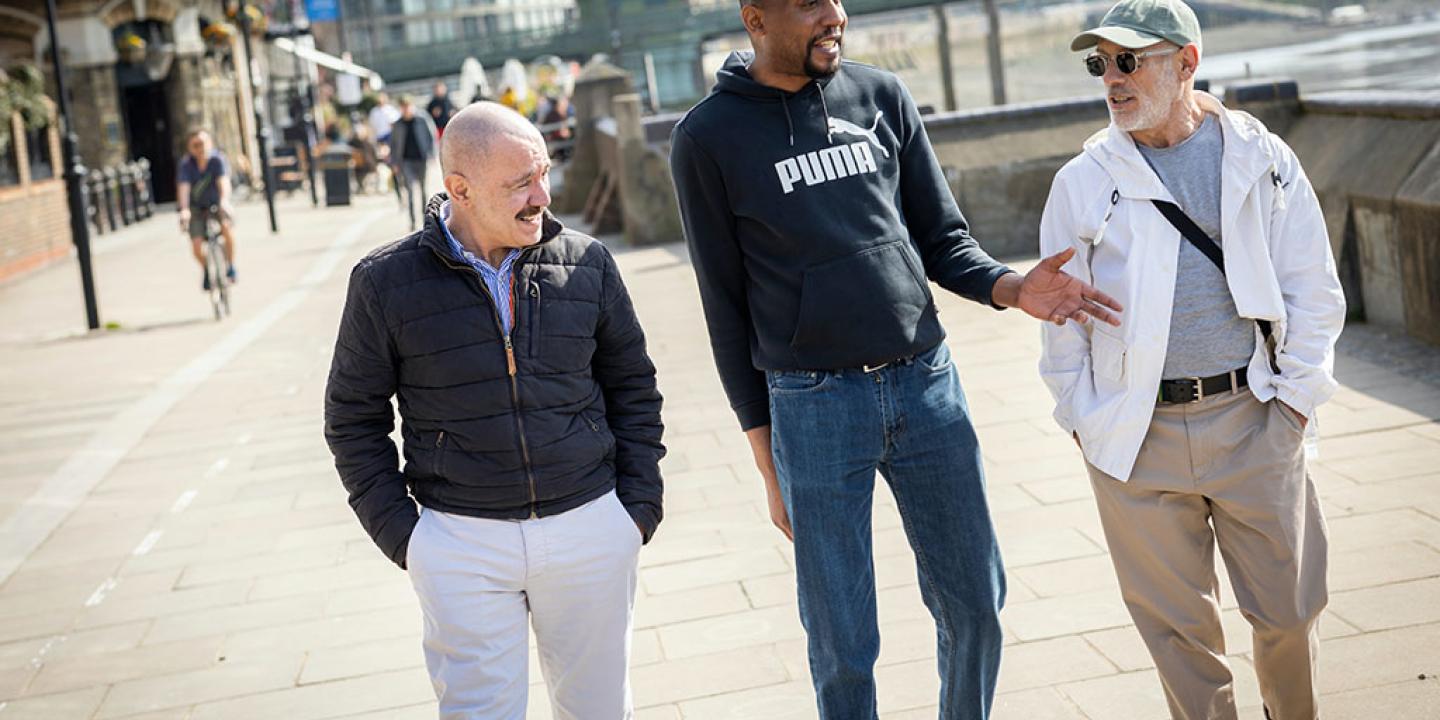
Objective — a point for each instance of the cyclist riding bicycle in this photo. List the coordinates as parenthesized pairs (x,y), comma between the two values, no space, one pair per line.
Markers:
(204,182)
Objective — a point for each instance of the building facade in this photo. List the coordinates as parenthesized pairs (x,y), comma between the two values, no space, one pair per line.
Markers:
(140,74)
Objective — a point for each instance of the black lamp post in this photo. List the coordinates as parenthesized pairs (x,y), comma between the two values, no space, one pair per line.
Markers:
(262,134)
(74,177)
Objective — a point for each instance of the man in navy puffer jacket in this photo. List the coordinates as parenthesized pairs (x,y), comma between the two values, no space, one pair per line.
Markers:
(531,428)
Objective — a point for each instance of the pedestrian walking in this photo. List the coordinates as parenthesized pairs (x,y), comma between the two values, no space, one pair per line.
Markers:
(412,145)
(815,212)
(1192,414)
(382,120)
(530,429)
(440,108)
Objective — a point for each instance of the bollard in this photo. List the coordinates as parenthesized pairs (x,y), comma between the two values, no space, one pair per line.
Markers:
(136,192)
(107,186)
(92,201)
(126,190)
(147,198)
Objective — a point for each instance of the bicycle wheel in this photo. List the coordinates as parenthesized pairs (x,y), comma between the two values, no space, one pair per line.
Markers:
(219,282)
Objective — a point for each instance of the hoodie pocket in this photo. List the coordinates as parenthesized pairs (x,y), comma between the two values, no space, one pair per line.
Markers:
(854,306)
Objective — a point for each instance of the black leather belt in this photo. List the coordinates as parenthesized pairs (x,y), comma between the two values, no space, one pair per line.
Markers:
(1194,389)
(868,369)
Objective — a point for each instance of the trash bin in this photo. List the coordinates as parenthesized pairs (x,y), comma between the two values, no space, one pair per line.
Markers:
(337,166)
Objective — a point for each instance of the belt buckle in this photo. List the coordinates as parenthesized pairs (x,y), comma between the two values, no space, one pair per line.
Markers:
(867,369)
(1199,390)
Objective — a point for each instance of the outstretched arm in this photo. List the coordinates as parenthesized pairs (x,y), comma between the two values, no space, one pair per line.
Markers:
(1048,293)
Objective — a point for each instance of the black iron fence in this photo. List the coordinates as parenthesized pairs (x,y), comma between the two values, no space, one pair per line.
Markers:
(119,195)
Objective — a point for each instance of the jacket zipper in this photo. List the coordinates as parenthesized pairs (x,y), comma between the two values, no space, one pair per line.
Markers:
(509,363)
(1092,243)
(515,388)
(534,317)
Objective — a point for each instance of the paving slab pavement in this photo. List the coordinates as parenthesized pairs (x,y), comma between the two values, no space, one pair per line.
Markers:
(182,548)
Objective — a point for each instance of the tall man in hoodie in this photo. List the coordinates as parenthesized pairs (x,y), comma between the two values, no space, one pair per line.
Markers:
(530,426)
(1192,415)
(815,210)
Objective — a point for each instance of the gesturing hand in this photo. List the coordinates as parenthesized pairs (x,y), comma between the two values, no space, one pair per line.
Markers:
(1050,294)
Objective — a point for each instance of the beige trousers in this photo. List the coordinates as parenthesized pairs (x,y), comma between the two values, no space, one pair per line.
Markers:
(1228,470)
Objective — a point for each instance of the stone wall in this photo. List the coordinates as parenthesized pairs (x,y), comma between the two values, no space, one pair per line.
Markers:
(95,106)
(1374,159)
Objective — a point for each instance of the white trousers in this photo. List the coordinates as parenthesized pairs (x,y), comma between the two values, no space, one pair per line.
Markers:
(480,581)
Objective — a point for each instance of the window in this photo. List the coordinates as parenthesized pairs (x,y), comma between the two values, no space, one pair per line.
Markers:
(443,30)
(417,33)
(10,164)
(37,144)
(472,27)
(395,35)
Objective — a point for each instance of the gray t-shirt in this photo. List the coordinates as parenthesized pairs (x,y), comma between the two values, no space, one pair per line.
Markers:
(1207,335)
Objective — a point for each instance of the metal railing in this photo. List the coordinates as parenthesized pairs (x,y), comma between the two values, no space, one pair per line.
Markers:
(655,28)
(119,195)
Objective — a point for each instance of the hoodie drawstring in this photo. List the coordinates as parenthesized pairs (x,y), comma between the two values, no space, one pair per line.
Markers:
(826,110)
(788,122)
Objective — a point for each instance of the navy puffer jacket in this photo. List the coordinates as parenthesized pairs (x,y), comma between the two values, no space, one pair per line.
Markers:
(557,414)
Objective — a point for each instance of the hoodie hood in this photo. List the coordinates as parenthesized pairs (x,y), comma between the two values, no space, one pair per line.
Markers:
(734,77)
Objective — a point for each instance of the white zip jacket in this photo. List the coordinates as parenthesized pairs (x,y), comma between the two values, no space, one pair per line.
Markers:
(1278,265)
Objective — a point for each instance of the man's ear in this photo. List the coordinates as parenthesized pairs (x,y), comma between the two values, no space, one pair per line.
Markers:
(458,188)
(1189,61)
(753,18)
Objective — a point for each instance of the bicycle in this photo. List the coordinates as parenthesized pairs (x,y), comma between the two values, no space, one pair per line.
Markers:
(216,266)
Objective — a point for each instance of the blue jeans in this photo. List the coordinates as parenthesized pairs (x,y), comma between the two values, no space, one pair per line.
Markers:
(830,432)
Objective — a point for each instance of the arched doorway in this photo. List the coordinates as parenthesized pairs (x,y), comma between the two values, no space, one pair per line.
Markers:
(146,54)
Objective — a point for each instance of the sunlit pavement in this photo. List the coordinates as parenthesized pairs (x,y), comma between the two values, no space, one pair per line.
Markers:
(178,545)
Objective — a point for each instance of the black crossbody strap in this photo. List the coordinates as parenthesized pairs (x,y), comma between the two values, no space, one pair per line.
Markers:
(1202,242)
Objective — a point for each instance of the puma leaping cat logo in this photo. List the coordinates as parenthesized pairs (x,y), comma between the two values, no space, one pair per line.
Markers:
(846,127)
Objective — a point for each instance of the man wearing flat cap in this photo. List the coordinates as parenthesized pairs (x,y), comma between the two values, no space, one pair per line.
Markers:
(1192,414)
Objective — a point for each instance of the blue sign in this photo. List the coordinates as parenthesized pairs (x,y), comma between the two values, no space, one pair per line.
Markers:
(322,10)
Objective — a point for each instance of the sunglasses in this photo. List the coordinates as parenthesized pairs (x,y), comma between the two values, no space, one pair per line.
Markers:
(1126,62)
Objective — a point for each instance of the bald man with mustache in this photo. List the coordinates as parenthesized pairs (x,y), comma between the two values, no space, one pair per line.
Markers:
(531,431)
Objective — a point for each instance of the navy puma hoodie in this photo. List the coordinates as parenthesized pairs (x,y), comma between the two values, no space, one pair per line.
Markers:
(813,220)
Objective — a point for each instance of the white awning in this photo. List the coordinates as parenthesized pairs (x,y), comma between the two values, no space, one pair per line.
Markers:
(330,61)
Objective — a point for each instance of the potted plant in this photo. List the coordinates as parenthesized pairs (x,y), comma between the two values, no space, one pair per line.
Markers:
(131,47)
(22,90)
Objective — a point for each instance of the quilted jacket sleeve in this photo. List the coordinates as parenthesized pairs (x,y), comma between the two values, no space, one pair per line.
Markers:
(359,419)
(632,402)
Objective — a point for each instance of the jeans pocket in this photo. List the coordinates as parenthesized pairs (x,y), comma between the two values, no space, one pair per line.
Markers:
(936,359)
(783,381)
